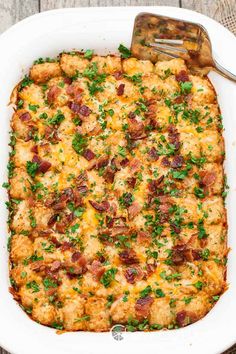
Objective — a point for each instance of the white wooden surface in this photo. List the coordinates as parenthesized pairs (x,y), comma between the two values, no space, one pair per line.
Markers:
(12,11)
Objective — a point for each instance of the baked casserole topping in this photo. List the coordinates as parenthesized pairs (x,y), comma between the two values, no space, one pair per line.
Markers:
(116,194)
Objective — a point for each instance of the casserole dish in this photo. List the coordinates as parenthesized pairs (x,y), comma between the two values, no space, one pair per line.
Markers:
(65,30)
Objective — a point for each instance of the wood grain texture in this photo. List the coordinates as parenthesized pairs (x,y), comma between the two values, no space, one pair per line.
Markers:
(12,11)
(57,4)
(206,7)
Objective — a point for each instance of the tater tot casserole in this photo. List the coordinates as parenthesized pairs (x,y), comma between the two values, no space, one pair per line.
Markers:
(116,194)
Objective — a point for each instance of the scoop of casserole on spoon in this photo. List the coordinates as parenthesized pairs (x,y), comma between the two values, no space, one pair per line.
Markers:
(158,37)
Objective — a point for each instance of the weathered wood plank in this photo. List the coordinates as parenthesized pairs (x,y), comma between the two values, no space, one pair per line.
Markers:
(56,4)
(209,7)
(12,11)
(206,7)
(2,351)
(222,11)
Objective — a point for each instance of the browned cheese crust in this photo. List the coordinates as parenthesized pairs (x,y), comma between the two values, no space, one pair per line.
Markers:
(115,194)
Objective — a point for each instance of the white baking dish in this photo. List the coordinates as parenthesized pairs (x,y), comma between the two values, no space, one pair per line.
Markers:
(102,29)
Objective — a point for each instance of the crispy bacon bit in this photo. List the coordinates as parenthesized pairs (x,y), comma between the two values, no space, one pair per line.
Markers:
(182,76)
(109,175)
(179,99)
(97,269)
(66,246)
(53,93)
(184,318)
(135,165)
(59,205)
(118,75)
(178,255)
(82,189)
(34,149)
(181,253)
(103,161)
(51,134)
(103,206)
(120,89)
(134,210)
(164,208)
(45,233)
(143,306)
(82,178)
(25,117)
(181,318)
(174,136)
(151,267)
(38,266)
(62,225)
(144,237)
(124,162)
(88,154)
(175,228)
(153,185)
(112,222)
(153,155)
(55,266)
(128,257)
(177,161)
(77,267)
(131,181)
(133,274)
(36,159)
(55,241)
(85,111)
(115,164)
(151,112)
(43,165)
(75,107)
(68,195)
(207,178)
(67,80)
(165,161)
(131,115)
(52,220)
(136,129)
(119,230)
(75,256)
(74,90)
(31,201)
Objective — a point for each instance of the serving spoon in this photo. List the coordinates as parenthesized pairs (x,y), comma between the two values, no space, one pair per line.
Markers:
(157,37)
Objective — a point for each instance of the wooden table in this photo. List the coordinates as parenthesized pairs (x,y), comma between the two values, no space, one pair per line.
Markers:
(12,11)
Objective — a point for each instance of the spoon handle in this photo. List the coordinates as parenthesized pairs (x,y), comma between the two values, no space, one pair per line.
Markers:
(224,72)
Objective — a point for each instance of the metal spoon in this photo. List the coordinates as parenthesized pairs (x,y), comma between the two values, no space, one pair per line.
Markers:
(158,37)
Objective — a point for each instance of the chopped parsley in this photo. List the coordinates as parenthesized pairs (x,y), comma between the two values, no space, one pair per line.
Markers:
(79,143)
(56,119)
(185,87)
(159,293)
(201,230)
(88,54)
(146,291)
(108,277)
(32,168)
(25,82)
(33,286)
(124,51)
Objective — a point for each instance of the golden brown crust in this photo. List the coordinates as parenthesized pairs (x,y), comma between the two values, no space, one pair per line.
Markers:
(116,182)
